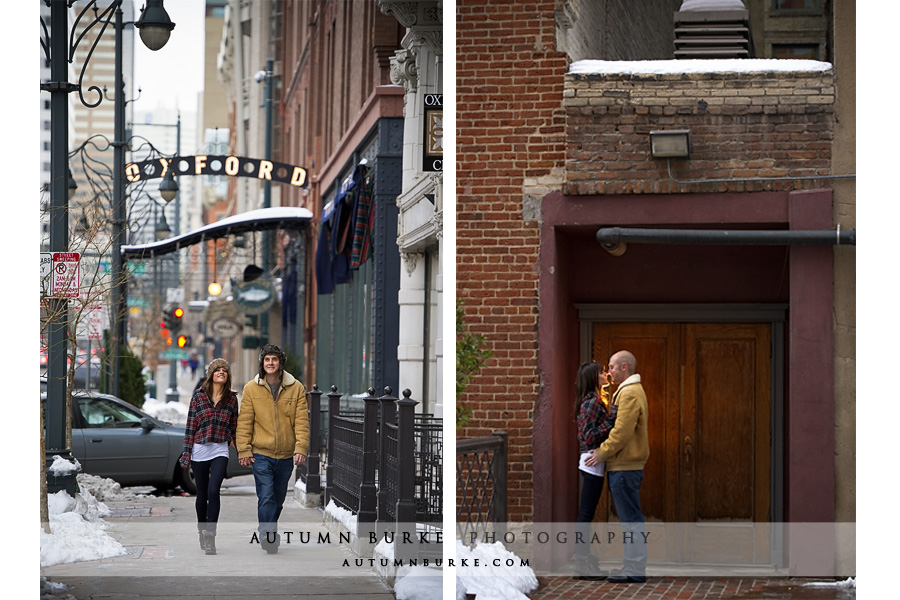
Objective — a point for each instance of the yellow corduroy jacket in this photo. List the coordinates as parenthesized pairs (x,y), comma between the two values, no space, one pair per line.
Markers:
(274,427)
(628,446)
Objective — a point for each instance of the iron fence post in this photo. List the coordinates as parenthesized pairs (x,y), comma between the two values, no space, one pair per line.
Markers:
(388,415)
(406,504)
(500,481)
(313,478)
(367,490)
(334,405)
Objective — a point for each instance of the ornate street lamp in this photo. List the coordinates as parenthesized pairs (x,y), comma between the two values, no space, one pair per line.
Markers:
(168,189)
(58,47)
(162,227)
(155,25)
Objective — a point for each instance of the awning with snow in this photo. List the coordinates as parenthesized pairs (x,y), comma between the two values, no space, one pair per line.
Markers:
(264,219)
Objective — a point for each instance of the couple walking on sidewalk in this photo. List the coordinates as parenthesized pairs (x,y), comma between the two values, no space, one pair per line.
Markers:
(270,432)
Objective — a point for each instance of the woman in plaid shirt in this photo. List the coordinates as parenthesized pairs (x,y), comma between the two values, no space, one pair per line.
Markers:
(595,419)
(211,426)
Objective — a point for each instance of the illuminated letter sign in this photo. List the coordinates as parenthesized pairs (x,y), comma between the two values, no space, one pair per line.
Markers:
(232,166)
(433,138)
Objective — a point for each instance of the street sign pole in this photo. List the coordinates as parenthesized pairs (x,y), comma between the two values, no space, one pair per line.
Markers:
(58,307)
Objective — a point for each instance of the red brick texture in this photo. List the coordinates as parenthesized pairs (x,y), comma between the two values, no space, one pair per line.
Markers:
(742,125)
(525,128)
(510,128)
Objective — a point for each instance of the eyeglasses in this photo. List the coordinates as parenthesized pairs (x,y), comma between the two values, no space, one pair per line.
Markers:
(221,370)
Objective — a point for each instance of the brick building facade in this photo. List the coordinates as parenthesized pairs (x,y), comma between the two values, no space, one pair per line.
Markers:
(735,342)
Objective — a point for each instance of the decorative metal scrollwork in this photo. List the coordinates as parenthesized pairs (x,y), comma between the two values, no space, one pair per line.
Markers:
(100,18)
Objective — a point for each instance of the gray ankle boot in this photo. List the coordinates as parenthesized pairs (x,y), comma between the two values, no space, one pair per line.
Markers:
(200,534)
(210,540)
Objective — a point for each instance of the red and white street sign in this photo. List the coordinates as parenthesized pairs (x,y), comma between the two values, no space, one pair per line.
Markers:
(95,323)
(65,278)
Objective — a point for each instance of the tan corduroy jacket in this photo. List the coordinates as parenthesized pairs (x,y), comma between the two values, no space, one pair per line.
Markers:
(628,446)
(274,427)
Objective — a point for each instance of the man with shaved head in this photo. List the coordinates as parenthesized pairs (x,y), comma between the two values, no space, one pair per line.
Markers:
(626,451)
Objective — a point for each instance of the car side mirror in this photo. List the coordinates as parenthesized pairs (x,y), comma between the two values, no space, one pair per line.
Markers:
(147,424)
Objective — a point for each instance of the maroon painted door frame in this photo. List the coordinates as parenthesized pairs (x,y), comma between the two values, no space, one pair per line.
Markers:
(809,343)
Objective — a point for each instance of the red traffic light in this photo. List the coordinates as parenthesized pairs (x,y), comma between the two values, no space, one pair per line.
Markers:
(182,341)
(178,312)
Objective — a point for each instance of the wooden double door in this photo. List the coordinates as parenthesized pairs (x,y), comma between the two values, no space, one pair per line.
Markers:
(708,478)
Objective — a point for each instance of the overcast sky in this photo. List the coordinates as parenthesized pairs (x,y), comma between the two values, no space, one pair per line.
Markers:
(173,75)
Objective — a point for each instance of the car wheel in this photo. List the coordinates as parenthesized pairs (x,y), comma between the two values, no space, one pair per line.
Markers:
(184,477)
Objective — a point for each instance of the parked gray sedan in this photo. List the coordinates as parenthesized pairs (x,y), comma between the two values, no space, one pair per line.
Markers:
(113,439)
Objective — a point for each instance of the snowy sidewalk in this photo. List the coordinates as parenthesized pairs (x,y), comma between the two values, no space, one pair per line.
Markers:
(162,556)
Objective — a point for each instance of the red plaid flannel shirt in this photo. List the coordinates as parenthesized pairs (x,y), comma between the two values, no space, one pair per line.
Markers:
(208,424)
(595,421)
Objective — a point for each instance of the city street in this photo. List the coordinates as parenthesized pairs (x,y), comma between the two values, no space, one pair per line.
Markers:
(163,558)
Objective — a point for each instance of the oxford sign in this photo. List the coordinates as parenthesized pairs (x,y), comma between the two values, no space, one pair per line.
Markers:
(230,166)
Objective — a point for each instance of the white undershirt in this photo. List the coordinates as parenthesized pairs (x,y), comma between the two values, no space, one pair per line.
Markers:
(203,452)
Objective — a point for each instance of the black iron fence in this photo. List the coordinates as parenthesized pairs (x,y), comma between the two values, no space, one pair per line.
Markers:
(384,464)
(481,492)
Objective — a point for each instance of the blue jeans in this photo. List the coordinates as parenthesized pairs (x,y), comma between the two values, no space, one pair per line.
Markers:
(272,476)
(625,489)
(591,490)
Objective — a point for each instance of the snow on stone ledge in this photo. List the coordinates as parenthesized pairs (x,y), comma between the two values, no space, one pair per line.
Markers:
(709,65)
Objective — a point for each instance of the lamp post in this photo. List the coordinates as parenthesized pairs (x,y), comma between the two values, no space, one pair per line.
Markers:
(168,189)
(268,77)
(57,49)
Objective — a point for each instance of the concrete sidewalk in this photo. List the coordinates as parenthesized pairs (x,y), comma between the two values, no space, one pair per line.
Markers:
(164,559)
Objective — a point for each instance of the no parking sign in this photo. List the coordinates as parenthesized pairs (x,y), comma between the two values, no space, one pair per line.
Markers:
(65,277)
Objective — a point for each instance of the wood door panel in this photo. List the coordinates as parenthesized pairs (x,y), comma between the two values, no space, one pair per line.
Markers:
(724,440)
(726,416)
(652,345)
(708,391)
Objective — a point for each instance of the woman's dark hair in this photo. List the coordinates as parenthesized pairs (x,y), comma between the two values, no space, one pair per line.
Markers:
(587,380)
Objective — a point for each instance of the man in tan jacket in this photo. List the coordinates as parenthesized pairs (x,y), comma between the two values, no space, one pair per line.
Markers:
(272,437)
(626,451)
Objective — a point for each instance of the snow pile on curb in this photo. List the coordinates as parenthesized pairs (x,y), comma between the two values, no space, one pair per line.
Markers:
(418,583)
(492,573)
(342,516)
(849,583)
(54,591)
(76,530)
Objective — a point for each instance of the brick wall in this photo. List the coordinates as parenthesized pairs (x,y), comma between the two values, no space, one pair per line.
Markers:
(743,125)
(510,152)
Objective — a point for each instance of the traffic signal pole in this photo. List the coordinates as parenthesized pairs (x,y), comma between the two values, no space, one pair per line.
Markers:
(174,322)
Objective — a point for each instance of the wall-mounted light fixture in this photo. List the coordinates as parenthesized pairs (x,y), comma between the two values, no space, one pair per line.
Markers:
(675,143)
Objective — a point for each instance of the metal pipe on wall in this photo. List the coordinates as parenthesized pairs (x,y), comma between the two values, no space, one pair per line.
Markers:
(614,239)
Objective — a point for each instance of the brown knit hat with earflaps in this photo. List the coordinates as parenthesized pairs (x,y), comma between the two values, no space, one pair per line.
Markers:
(216,364)
(273,350)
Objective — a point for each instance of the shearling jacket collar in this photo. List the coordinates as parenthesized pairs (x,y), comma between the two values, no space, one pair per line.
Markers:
(286,379)
(636,378)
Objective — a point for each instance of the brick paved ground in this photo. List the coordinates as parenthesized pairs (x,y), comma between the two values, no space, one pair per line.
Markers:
(692,588)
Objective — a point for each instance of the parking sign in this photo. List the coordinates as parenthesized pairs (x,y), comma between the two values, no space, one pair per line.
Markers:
(65,278)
